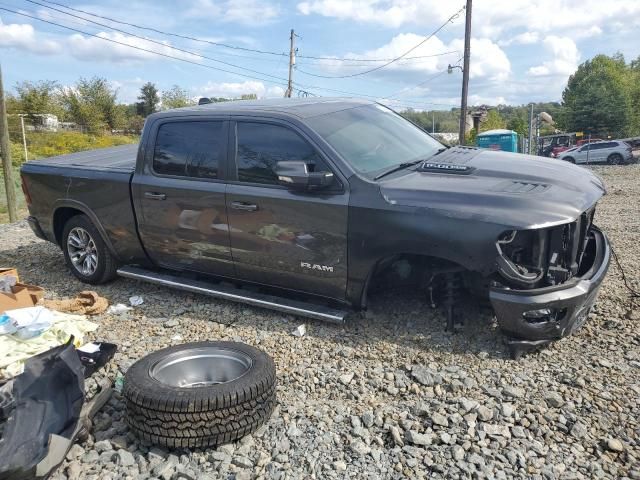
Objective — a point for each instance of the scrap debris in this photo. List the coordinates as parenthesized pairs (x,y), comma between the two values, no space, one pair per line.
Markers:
(87,302)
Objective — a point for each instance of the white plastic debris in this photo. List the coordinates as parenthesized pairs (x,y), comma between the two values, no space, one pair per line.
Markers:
(30,322)
(90,347)
(136,300)
(300,331)
(177,337)
(118,309)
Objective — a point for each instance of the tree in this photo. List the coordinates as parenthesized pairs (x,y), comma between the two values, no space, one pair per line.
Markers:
(92,103)
(149,99)
(176,97)
(519,125)
(36,98)
(597,99)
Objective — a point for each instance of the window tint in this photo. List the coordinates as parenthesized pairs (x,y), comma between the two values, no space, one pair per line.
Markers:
(192,149)
(261,146)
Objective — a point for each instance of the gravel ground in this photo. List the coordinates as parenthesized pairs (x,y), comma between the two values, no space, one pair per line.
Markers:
(390,395)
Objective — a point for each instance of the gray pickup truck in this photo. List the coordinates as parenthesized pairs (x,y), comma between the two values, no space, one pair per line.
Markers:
(305,205)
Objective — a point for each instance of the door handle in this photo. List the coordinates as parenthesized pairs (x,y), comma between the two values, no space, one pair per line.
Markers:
(247,207)
(155,196)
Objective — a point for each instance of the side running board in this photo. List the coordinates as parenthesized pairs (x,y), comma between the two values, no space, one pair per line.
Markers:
(310,310)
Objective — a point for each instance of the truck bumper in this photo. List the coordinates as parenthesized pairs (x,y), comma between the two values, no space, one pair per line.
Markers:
(37,229)
(533,318)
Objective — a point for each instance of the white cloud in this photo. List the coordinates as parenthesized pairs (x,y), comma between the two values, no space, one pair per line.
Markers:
(22,36)
(525,38)
(564,58)
(247,12)
(92,48)
(494,19)
(236,89)
(489,60)
(390,13)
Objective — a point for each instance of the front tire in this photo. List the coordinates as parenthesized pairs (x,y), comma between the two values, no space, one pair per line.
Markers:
(569,159)
(85,253)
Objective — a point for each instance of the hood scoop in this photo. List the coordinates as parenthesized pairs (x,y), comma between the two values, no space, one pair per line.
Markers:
(438,167)
(520,187)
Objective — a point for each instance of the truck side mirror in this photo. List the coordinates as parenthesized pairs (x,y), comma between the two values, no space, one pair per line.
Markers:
(296,175)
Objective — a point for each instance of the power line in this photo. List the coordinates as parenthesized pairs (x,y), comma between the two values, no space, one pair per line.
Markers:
(145,49)
(226,45)
(433,77)
(154,41)
(177,35)
(393,60)
(346,59)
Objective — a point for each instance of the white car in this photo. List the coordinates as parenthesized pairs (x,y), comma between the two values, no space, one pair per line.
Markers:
(613,152)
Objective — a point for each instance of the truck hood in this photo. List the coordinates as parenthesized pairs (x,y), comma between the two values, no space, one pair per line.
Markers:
(510,189)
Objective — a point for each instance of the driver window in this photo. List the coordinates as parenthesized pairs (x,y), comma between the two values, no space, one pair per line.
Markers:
(260,146)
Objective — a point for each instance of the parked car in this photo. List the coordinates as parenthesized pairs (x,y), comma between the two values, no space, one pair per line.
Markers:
(613,152)
(313,203)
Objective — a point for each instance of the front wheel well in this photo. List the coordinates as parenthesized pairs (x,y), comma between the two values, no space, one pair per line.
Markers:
(413,269)
(60,218)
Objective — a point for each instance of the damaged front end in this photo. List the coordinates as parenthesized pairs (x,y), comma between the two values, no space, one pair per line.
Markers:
(547,281)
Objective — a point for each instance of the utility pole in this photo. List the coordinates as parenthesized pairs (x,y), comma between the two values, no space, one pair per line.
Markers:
(465,74)
(5,147)
(292,62)
(24,139)
(433,122)
(531,152)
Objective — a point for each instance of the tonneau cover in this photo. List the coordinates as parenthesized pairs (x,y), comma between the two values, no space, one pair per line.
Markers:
(121,158)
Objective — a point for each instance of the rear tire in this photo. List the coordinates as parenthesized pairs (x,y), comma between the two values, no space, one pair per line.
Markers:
(615,159)
(85,253)
(200,394)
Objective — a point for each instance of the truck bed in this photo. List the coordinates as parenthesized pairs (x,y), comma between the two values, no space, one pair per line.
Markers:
(121,158)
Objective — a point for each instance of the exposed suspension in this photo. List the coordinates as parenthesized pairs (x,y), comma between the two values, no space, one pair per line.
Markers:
(452,287)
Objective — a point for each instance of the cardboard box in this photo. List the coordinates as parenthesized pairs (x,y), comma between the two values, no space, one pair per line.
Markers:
(21,296)
(9,271)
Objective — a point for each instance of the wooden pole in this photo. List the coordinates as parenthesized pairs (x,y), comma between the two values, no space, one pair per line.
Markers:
(24,139)
(5,148)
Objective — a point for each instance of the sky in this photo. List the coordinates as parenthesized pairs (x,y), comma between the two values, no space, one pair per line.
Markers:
(521,50)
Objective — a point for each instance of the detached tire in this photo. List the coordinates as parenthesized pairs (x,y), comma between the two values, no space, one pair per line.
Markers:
(200,394)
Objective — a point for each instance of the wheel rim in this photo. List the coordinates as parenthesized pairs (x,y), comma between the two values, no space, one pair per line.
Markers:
(615,159)
(200,367)
(82,251)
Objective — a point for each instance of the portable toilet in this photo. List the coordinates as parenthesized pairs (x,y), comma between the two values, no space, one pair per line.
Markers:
(505,140)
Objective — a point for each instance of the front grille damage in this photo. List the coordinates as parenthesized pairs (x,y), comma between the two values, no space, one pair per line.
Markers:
(544,257)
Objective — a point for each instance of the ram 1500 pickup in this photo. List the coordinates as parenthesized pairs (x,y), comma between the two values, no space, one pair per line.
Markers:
(303,205)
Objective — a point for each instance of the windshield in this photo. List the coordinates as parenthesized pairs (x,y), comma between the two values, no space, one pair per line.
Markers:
(372,138)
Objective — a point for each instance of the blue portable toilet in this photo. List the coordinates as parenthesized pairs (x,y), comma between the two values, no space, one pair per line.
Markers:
(505,140)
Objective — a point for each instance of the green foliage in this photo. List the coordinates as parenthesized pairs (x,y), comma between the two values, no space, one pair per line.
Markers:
(519,124)
(176,97)
(91,103)
(36,98)
(149,99)
(597,99)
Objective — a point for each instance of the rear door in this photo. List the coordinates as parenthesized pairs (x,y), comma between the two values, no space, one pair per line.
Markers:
(179,194)
(294,240)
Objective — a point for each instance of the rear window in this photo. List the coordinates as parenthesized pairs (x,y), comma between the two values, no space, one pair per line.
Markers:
(189,149)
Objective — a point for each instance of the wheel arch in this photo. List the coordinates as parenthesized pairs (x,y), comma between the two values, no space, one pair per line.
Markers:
(63,211)
(415,259)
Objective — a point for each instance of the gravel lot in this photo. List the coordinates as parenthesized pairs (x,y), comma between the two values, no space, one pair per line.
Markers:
(390,395)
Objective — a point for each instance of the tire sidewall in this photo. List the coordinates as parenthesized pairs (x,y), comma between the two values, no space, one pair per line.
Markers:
(83,221)
(569,159)
(139,381)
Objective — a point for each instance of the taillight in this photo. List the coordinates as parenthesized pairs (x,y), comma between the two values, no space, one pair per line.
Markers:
(25,190)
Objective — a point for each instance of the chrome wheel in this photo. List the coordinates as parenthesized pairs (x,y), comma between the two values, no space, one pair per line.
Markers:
(82,251)
(200,367)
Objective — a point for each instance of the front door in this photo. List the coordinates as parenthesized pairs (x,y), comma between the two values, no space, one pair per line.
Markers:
(180,196)
(294,240)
